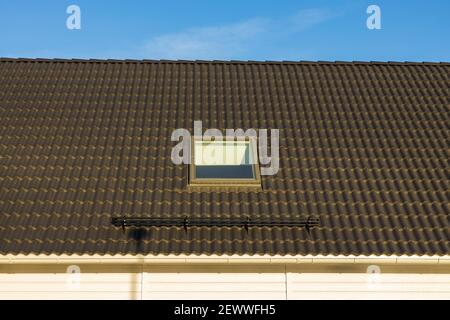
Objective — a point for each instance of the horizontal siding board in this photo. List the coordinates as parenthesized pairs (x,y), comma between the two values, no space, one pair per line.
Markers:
(364,295)
(65,295)
(357,278)
(214,277)
(249,295)
(49,283)
(365,286)
(213,286)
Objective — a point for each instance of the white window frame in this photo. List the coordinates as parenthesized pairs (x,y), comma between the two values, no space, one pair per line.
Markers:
(223,182)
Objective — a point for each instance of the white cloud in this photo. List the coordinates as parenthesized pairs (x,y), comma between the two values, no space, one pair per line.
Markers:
(231,41)
(219,42)
(307,18)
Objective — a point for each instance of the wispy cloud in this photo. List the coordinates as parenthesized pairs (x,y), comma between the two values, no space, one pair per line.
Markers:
(308,18)
(233,40)
(206,43)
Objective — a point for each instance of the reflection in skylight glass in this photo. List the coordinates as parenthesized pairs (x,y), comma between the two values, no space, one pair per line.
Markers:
(223,160)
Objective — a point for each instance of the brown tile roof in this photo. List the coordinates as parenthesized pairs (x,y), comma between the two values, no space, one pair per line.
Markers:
(365,147)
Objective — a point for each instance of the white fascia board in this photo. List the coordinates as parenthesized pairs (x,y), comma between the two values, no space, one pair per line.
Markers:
(219,259)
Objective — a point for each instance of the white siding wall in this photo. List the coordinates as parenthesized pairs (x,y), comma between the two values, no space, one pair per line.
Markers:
(218,285)
(64,286)
(365,286)
(214,286)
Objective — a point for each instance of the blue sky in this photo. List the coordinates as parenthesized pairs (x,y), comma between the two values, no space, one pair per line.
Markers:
(227,30)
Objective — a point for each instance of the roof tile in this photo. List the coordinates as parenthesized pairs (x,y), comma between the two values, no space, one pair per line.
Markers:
(364,147)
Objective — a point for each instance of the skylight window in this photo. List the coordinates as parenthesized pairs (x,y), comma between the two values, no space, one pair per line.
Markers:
(224,162)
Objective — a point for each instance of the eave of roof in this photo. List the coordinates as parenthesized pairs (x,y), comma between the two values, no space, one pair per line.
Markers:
(222,259)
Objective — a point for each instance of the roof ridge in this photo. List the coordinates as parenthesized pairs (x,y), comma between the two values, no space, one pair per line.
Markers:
(318,62)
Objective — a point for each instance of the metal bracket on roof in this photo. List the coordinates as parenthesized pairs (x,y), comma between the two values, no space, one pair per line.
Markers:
(187,221)
(247,223)
(307,226)
(123,224)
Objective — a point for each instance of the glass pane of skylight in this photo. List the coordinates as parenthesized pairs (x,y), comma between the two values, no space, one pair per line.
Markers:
(222,153)
(224,172)
(223,160)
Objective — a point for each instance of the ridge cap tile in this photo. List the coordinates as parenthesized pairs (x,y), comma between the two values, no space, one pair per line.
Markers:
(318,62)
